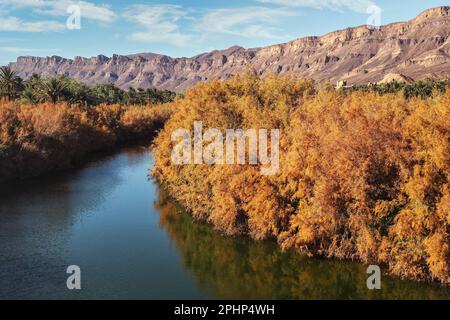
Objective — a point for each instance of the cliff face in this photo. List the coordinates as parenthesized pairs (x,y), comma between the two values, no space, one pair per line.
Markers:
(417,49)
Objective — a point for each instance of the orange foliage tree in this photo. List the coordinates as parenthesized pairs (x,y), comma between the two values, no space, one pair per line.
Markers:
(35,139)
(362,176)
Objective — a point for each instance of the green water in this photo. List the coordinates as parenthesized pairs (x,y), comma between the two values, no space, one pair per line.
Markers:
(132,242)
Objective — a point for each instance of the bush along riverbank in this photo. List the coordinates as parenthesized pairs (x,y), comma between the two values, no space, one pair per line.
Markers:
(363,176)
(40,138)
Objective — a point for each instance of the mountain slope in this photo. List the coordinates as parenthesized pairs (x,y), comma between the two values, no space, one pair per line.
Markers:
(416,49)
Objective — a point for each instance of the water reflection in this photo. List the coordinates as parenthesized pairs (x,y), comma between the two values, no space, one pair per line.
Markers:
(239,268)
(133,242)
(39,217)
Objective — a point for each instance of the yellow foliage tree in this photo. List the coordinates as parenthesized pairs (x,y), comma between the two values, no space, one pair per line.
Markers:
(362,176)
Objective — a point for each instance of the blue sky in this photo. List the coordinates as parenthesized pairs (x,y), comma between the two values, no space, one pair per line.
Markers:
(180,28)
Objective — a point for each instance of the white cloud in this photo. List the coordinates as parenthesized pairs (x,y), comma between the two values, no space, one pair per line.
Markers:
(164,23)
(25,50)
(90,11)
(251,22)
(337,5)
(18,25)
(160,24)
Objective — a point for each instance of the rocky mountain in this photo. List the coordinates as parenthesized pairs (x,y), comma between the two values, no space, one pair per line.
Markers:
(416,49)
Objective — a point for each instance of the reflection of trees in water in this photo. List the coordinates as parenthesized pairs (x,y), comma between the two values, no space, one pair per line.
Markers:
(59,197)
(242,268)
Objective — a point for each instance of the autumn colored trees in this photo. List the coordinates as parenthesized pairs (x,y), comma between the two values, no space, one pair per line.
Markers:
(48,124)
(363,175)
(44,137)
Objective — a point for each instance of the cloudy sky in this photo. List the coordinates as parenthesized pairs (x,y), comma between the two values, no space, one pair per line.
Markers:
(179,28)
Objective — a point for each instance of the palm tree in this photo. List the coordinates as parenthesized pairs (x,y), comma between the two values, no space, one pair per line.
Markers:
(10,83)
(54,89)
(30,94)
(32,90)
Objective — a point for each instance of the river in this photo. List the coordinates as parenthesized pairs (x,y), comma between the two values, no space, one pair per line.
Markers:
(132,242)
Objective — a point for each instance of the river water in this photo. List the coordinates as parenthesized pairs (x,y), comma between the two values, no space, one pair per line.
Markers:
(132,242)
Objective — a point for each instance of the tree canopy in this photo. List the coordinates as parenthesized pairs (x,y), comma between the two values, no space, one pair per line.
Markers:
(37,89)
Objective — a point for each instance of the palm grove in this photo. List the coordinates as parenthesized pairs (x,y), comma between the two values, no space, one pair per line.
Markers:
(63,89)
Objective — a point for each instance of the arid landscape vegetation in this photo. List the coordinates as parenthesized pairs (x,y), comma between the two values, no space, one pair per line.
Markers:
(52,124)
(364,176)
(364,170)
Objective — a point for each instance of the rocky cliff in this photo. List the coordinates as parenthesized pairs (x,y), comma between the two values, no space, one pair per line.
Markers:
(416,49)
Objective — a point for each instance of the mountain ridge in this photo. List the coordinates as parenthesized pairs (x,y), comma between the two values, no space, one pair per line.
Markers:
(416,49)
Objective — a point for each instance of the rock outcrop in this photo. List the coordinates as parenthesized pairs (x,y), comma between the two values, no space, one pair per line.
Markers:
(416,49)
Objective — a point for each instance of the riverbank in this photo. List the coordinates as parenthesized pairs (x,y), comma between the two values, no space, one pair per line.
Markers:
(362,177)
(132,241)
(45,138)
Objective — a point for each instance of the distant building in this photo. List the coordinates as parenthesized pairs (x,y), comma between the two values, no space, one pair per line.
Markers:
(341,84)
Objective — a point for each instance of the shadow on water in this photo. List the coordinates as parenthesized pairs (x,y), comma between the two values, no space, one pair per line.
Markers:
(240,268)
